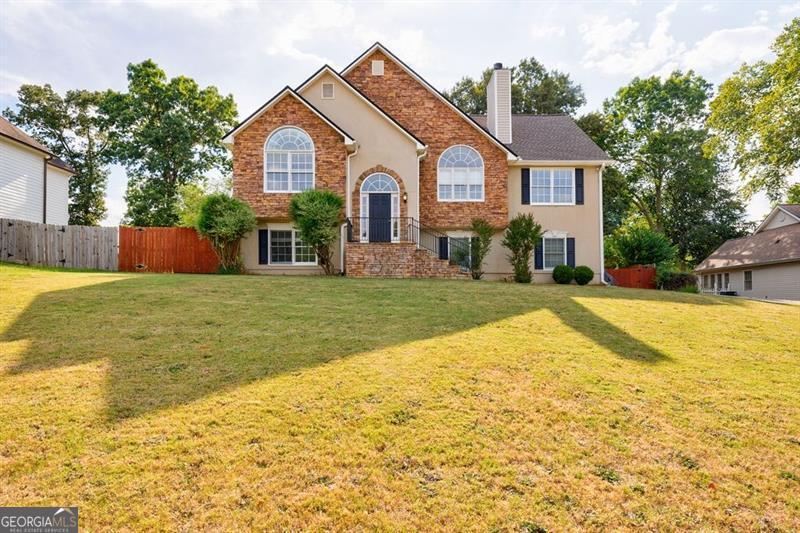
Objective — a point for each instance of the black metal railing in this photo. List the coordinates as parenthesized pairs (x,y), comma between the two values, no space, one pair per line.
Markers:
(407,229)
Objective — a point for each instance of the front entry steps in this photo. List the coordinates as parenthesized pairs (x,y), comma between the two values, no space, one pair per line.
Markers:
(396,260)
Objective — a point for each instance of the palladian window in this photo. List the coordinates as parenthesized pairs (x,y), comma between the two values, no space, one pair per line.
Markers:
(460,176)
(288,161)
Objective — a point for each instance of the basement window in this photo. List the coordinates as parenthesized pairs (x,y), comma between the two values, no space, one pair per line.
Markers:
(377,67)
(327,91)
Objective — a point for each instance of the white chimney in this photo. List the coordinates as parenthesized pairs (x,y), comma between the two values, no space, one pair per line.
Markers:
(498,103)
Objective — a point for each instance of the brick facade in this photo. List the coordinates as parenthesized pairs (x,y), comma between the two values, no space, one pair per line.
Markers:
(248,157)
(396,260)
(440,127)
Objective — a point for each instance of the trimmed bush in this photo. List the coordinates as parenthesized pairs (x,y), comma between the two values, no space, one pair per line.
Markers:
(638,246)
(480,245)
(563,274)
(224,221)
(520,238)
(316,214)
(583,275)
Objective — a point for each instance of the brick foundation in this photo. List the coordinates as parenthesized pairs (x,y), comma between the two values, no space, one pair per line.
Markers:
(396,260)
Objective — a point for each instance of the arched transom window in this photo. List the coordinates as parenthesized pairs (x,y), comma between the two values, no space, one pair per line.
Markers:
(288,161)
(379,182)
(460,175)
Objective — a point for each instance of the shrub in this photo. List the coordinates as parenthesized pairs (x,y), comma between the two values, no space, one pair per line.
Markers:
(563,274)
(480,245)
(672,280)
(638,246)
(520,238)
(224,221)
(583,275)
(316,215)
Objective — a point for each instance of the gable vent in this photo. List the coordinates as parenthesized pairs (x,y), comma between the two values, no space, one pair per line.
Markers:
(327,91)
(377,67)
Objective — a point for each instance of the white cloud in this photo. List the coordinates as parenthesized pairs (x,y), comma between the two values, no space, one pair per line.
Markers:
(289,37)
(789,9)
(710,8)
(539,32)
(762,16)
(614,49)
(10,82)
(730,47)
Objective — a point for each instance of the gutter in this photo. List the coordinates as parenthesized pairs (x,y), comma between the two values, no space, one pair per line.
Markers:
(348,208)
(602,244)
(44,190)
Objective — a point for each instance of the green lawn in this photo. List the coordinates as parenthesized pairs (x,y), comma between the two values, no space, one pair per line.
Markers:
(222,402)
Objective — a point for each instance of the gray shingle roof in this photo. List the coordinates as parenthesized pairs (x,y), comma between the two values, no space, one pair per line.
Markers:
(791,208)
(549,138)
(777,245)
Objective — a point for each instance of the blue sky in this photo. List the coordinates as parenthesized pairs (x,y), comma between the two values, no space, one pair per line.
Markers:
(252,49)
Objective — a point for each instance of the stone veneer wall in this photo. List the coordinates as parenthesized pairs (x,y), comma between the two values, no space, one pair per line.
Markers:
(440,127)
(396,260)
(330,157)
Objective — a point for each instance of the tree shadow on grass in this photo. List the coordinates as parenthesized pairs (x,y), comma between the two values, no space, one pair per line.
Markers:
(172,339)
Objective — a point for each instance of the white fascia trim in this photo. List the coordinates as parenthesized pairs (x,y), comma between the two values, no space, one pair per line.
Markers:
(341,80)
(771,215)
(560,163)
(228,139)
(425,84)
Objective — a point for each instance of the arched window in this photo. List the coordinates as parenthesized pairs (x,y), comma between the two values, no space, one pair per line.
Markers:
(288,161)
(460,175)
(380,182)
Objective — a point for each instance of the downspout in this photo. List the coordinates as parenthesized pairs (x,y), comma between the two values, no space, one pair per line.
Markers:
(44,191)
(602,249)
(348,203)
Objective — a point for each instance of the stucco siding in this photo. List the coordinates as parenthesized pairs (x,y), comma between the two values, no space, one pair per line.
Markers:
(380,143)
(57,196)
(21,182)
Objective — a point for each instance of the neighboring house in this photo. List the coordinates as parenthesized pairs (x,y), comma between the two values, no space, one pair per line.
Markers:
(414,171)
(34,183)
(764,265)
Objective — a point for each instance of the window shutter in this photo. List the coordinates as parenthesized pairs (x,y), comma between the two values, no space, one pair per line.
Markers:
(538,256)
(263,247)
(571,251)
(579,186)
(443,251)
(526,186)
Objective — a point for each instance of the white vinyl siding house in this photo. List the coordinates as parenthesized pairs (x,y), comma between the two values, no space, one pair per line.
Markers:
(21,182)
(57,195)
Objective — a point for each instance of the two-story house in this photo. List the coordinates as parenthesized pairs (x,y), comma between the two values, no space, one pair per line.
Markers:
(414,171)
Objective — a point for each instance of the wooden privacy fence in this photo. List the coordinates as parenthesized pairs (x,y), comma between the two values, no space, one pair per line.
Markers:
(165,250)
(33,243)
(635,277)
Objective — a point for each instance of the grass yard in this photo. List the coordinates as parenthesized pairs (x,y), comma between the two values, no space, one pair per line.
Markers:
(219,402)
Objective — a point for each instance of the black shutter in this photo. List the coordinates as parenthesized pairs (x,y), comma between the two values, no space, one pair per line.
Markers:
(571,251)
(579,186)
(526,186)
(263,247)
(443,251)
(538,256)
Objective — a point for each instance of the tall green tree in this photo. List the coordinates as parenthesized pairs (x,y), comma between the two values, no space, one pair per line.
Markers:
(73,128)
(616,189)
(793,194)
(166,133)
(757,115)
(534,89)
(657,132)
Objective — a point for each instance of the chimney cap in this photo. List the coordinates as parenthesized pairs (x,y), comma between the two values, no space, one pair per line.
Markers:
(498,66)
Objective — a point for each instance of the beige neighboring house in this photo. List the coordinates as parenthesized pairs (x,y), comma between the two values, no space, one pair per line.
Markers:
(763,265)
(34,183)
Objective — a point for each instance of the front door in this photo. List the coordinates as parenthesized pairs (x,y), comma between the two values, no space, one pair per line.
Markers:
(380,217)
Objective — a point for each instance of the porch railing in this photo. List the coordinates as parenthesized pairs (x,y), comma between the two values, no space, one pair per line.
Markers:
(408,229)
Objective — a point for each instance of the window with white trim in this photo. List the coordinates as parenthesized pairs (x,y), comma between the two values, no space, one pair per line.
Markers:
(288,161)
(554,252)
(552,186)
(460,175)
(377,67)
(287,248)
(327,91)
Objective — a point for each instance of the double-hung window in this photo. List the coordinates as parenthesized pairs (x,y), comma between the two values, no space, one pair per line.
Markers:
(554,252)
(748,280)
(288,161)
(460,175)
(552,186)
(287,248)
